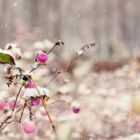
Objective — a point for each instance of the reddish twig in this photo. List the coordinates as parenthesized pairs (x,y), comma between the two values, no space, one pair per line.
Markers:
(13,109)
(22,112)
(44,104)
(7,123)
(57,43)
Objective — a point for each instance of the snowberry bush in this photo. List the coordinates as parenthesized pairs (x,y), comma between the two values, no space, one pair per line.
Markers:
(23,106)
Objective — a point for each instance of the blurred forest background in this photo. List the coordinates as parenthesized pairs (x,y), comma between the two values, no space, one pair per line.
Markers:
(113,24)
(104,83)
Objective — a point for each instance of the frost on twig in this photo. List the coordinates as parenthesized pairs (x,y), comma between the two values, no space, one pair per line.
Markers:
(34,95)
(79,53)
(84,49)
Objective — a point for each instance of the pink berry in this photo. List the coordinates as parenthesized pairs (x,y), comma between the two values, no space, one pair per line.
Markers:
(30,85)
(12,103)
(76,110)
(75,107)
(29,127)
(35,101)
(2,105)
(42,57)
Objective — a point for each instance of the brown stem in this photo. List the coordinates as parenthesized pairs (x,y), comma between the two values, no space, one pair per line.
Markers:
(30,113)
(53,78)
(13,109)
(59,101)
(22,112)
(51,49)
(7,123)
(57,43)
(66,68)
(44,104)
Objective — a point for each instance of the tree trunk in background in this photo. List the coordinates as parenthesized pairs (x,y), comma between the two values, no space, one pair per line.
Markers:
(75,22)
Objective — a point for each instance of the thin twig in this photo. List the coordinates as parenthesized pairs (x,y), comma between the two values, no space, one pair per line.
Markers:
(22,112)
(44,104)
(2,128)
(79,53)
(30,113)
(66,68)
(13,109)
(5,121)
(58,101)
(57,43)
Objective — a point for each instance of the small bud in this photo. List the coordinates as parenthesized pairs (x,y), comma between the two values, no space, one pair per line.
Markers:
(29,127)
(41,57)
(75,107)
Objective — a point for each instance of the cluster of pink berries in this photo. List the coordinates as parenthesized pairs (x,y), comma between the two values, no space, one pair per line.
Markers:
(31,95)
(28,125)
(35,100)
(10,104)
